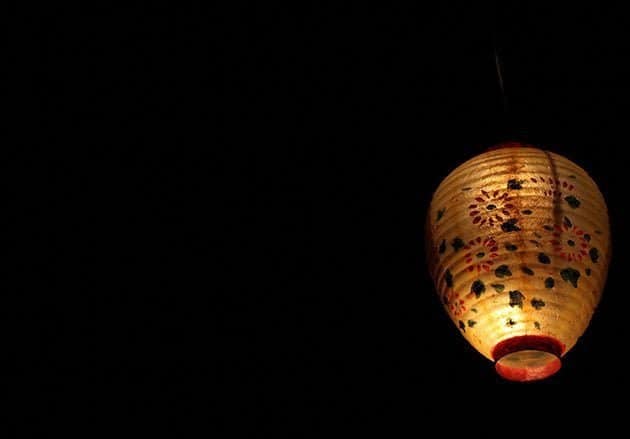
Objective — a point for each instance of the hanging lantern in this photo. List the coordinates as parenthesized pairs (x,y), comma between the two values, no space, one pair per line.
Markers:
(518,246)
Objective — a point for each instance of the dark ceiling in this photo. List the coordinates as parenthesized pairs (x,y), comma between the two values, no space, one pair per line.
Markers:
(358,114)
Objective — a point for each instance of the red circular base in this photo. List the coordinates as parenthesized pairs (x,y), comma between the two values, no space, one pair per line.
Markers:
(528,366)
(528,358)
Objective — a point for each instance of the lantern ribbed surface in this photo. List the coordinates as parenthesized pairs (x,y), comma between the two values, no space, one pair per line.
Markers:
(518,246)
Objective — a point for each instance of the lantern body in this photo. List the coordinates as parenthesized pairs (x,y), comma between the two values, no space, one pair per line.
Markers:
(518,247)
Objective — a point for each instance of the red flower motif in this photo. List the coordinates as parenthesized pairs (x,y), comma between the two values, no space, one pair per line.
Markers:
(481,254)
(570,242)
(491,208)
(454,303)
(555,186)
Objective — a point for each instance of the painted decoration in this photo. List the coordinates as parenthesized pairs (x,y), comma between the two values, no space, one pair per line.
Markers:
(518,245)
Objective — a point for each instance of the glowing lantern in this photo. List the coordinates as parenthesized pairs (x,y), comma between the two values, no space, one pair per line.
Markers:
(518,247)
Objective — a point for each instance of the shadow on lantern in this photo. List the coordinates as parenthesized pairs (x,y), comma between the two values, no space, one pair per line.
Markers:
(518,243)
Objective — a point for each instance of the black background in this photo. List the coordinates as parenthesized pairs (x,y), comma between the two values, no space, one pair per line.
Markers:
(264,172)
(355,114)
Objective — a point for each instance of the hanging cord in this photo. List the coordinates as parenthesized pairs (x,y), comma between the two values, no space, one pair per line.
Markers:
(499,66)
(509,127)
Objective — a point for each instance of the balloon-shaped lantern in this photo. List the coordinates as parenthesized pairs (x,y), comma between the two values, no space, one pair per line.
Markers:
(518,248)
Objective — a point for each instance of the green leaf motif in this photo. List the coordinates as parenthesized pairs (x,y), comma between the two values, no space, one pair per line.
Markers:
(549,283)
(449,278)
(457,244)
(515,184)
(498,287)
(570,275)
(538,303)
(511,247)
(471,323)
(478,288)
(510,226)
(573,202)
(567,222)
(440,214)
(516,298)
(528,271)
(594,254)
(502,271)
(462,326)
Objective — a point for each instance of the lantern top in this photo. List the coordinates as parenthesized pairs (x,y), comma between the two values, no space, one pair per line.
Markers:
(510,144)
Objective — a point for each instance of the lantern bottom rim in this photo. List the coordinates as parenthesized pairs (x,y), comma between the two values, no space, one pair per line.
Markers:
(528,365)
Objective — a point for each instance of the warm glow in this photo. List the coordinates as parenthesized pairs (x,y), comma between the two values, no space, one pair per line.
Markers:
(518,247)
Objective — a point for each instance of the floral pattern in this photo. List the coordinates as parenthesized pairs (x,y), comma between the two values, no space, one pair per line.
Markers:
(569,241)
(497,212)
(481,254)
(454,303)
(491,208)
(554,187)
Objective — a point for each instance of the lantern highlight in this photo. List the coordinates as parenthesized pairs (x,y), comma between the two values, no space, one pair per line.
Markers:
(518,245)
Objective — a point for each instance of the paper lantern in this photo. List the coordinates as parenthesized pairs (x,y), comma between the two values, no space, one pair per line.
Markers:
(518,248)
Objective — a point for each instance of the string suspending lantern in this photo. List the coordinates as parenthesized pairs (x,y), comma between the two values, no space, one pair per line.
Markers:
(518,244)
